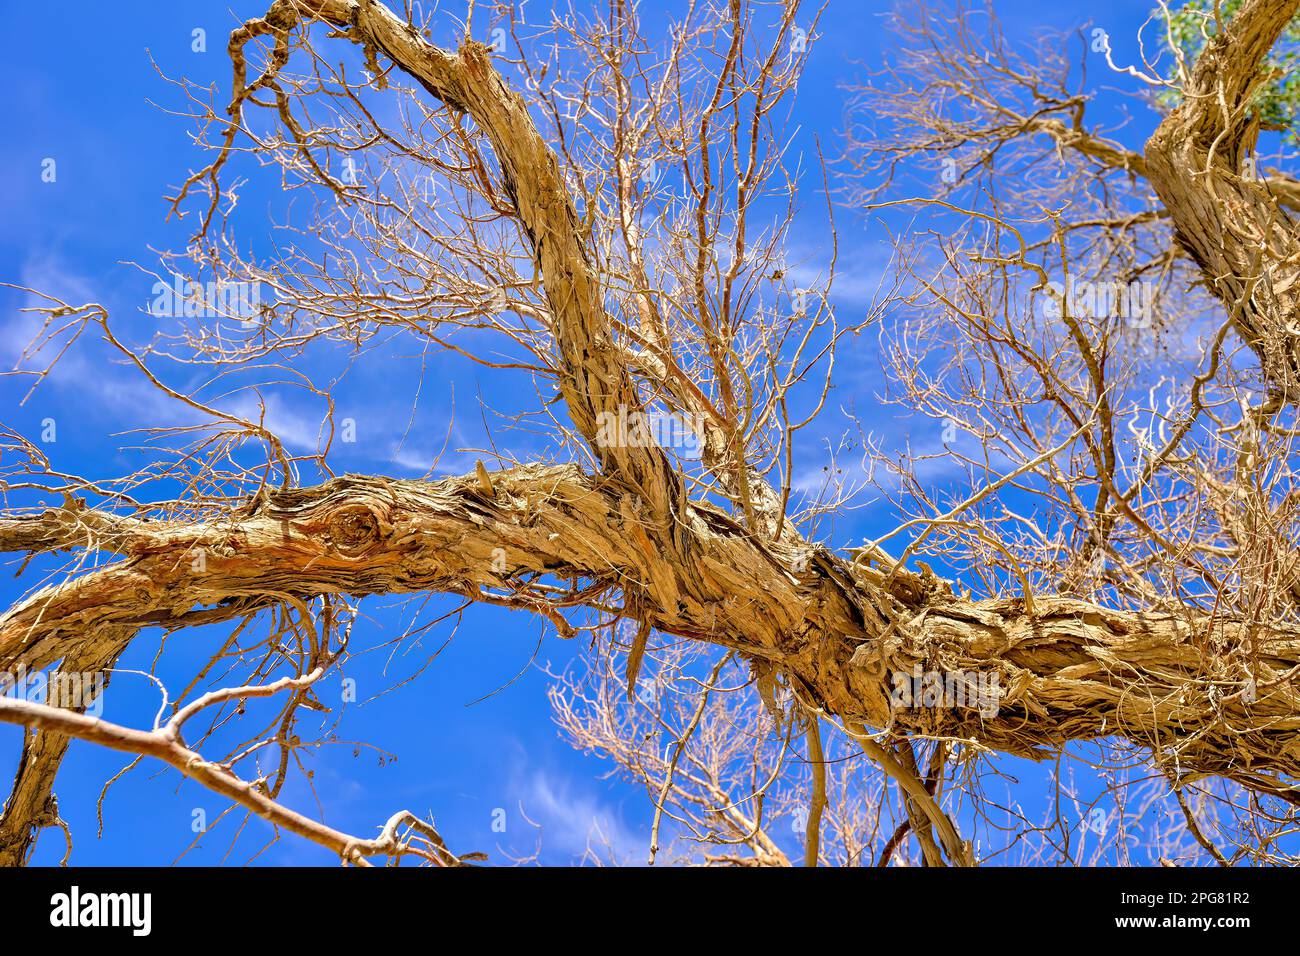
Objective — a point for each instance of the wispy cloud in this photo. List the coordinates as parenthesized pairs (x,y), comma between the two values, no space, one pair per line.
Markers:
(575,822)
(862,272)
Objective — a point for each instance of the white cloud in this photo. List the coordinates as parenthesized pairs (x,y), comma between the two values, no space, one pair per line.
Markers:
(574,822)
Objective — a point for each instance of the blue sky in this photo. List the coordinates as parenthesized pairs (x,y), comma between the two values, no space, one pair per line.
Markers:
(90,99)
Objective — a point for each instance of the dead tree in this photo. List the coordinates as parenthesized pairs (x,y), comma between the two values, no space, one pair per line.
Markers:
(1145,607)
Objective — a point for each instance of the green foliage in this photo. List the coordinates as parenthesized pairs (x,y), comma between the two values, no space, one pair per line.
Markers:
(1278,102)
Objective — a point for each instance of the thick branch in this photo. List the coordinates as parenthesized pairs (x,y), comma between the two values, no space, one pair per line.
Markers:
(1229,222)
(31,805)
(1069,671)
(595,379)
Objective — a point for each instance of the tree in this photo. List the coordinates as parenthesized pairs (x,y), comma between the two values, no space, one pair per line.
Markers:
(606,213)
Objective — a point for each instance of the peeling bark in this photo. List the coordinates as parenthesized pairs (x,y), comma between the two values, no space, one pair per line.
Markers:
(32,806)
(1070,671)
(1231,224)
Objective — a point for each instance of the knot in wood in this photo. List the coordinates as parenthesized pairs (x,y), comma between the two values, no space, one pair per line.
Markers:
(353,529)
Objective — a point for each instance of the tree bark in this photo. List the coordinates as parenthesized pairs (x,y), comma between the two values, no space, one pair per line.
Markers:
(32,806)
(1180,686)
(1229,222)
